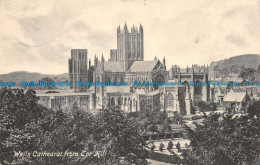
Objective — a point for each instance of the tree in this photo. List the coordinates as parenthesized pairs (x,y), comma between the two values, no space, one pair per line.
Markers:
(177,118)
(20,117)
(205,106)
(161,147)
(150,120)
(28,126)
(48,80)
(245,72)
(254,110)
(224,139)
(120,136)
(178,146)
(170,145)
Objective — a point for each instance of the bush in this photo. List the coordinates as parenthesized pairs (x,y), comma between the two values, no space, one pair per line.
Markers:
(170,145)
(161,147)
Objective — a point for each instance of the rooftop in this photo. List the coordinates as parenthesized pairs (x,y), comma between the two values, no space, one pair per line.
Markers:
(114,66)
(235,97)
(143,66)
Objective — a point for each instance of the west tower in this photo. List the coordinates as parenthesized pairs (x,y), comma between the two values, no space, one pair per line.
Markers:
(78,70)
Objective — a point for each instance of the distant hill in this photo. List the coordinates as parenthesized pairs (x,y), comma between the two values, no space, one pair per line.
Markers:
(28,76)
(234,65)
(248,60)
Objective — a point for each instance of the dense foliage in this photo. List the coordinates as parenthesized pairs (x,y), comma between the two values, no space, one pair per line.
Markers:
(205,106)
(226,139)
(28,126)
(155,121)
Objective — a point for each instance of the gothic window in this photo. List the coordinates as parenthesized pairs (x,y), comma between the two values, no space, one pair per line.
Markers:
(198,88)
(104,98)
(107,79)
(119,100)
(186,83)
(169,100)
(125,101)
(129,100)
(112,102)
(158,78)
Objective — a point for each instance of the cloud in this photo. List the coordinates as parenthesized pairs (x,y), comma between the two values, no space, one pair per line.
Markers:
(239,41)
(38,36)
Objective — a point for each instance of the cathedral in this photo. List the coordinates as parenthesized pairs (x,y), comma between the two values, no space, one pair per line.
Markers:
(127,64)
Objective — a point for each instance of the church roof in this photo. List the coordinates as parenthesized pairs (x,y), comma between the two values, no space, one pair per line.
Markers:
(142,66)
(114,66)
(235,97)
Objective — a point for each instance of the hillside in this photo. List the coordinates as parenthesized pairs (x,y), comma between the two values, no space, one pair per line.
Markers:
(234,65)
(248,60)
(28,76)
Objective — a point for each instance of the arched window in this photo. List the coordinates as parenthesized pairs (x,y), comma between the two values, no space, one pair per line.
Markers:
(112,101)
(128,100)
(158,78)
(119,100)
(169,100)
(125,101)
(198,88)
(107,79)
(186,83)
(115,79)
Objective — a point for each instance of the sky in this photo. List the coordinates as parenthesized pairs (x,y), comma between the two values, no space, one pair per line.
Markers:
(37,35)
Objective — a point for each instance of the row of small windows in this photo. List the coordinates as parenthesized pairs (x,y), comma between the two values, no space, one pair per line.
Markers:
(64,99)
(126,101)
(137,78)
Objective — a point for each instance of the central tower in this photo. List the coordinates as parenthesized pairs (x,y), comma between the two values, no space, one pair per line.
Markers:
(130,45)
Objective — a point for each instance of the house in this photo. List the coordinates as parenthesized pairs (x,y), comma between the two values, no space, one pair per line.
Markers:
(236,101)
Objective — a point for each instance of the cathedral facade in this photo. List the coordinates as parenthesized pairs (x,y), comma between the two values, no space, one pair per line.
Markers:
(181,98)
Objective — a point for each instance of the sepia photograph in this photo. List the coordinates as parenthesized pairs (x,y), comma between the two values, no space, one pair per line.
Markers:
(130,82)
